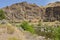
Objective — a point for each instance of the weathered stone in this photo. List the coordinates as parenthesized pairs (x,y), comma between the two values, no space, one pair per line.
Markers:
(33,13)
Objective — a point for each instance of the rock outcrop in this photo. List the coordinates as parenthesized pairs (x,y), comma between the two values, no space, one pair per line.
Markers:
(23,11)
(52,12)
(33,13)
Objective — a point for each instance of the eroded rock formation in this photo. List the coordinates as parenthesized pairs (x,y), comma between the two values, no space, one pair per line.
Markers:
(33,13)
(52,12)
(23,11)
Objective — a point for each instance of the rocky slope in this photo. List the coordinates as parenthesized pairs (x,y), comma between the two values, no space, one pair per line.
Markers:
(23,11)
(33,13)
(52,12)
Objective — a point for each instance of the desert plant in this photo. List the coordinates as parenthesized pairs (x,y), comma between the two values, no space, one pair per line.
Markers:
(10,29)
(52,32)
(2,14)
(39,23)
(57,33)
(26,26)
(45,30)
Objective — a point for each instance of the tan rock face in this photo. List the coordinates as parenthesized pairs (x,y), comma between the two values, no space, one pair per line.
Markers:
(33,13)
(23,11)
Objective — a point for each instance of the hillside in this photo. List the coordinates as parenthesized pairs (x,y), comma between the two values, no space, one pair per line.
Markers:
(23,11)
(52,12)
(46,18)
(33,13)
(9,32)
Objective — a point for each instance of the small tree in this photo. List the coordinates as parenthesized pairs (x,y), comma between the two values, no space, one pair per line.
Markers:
(2,14)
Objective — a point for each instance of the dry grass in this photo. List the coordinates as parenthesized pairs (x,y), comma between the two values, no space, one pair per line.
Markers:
(10,29)
(50,23)
(7,31)
(13,38)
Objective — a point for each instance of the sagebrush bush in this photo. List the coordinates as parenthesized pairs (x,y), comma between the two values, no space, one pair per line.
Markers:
(45,31)
(10,29)
(52,32)
(26,26)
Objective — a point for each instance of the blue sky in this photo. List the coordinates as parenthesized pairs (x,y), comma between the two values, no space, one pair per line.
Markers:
(4,3)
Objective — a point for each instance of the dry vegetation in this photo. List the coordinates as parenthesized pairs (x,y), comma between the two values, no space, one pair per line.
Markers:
(9,32)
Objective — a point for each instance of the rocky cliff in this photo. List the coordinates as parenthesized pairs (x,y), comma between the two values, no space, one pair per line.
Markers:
(23,11)
(52,12)
(33,13)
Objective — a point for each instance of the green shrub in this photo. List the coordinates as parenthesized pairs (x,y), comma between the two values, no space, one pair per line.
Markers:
(57,33)
(26,26)
(52,32)
(2,14)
